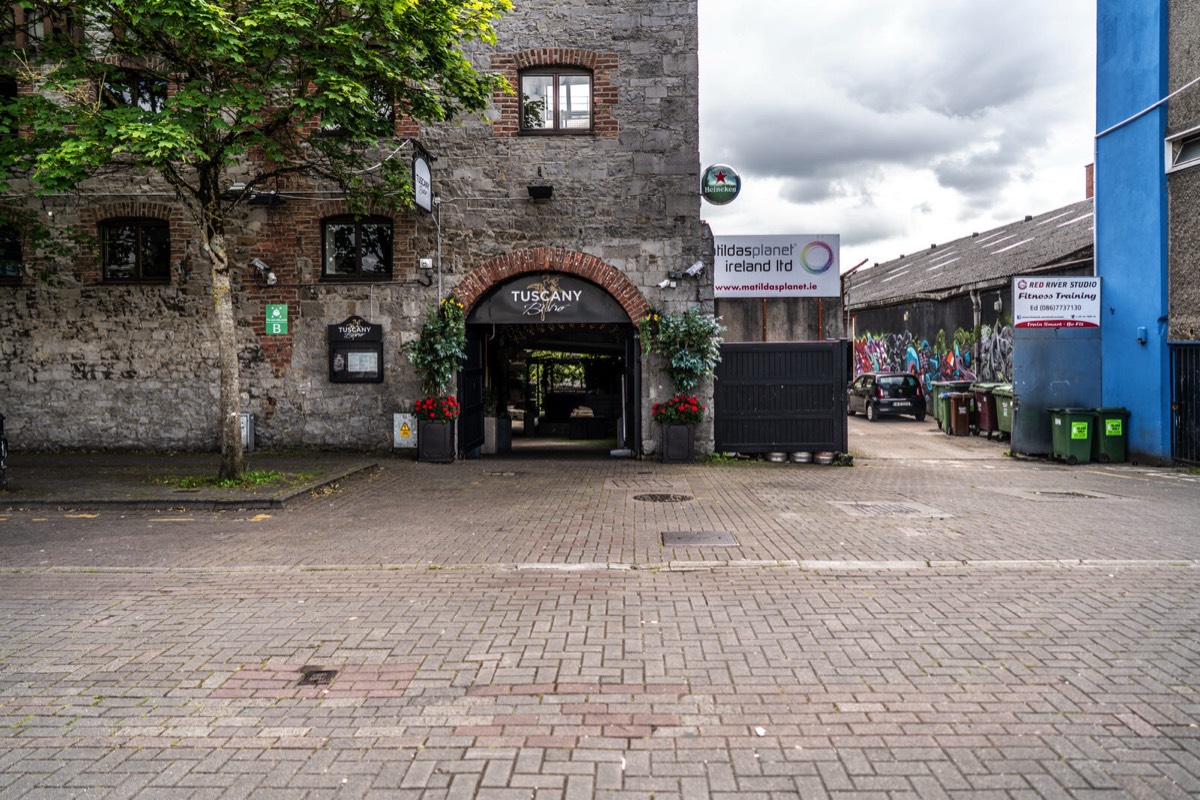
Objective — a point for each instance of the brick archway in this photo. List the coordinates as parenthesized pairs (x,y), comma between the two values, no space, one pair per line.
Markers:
(552,259)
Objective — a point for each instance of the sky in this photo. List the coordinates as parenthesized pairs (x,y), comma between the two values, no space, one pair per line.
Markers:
(895,125)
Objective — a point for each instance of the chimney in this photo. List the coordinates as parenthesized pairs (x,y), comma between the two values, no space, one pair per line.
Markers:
(1089,181)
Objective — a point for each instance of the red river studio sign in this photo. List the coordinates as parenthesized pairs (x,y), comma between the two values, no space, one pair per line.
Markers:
(1056,302)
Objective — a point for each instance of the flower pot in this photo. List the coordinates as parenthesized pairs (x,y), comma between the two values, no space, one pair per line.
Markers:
(435,441)
(678,443)
(497,435)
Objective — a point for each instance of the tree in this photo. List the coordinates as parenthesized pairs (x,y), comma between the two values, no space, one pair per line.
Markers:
(209,94)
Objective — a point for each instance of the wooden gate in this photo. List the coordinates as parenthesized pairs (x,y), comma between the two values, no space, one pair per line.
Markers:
(781,396)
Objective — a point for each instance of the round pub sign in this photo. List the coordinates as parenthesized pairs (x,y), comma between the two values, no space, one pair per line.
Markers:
(720,184)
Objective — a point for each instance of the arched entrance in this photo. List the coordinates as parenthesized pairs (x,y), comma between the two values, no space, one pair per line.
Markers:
(552,347)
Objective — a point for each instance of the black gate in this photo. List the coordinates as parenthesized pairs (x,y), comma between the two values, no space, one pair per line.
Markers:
(470,396)
(782,396)
(1185,403)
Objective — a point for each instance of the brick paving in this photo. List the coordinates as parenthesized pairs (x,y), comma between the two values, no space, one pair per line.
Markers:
(956,627)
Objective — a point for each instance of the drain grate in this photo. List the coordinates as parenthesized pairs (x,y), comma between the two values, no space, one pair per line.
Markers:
(1066,495)
(698,539)
(663,498)
(315,676)
(883,508)
(880,509)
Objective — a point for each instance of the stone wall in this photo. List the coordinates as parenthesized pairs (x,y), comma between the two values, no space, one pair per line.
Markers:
(1183,187)
(89,364)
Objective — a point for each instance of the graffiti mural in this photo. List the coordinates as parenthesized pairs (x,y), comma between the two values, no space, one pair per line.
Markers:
(945,359)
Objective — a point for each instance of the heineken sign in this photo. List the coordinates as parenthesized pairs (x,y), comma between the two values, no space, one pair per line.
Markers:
(720,184)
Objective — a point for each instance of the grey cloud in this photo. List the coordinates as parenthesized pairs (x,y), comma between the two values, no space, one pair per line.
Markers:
(826,142)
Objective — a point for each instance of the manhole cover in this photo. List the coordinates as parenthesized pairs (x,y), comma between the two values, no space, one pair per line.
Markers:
(698,539)
(315,676)
(662,498)
(1066,495)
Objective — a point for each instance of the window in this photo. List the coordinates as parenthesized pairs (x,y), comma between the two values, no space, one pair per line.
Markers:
(357,249)
(132,89)
(8,97)
(1183,150)
(35,26)
(135,250)
(556,100)
(10,254)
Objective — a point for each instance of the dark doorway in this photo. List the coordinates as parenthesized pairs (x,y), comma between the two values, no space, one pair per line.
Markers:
(553,369)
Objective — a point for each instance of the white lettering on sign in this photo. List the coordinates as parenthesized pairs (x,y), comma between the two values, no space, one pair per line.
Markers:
(544,297)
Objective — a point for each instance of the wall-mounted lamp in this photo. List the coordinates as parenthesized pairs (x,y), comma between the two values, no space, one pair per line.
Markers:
(266,198)
(540,192)
(264,273)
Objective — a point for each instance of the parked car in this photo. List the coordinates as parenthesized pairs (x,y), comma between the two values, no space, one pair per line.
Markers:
(878,393)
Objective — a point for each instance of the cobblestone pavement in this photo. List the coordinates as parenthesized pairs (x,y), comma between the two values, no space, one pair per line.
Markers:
(943,627)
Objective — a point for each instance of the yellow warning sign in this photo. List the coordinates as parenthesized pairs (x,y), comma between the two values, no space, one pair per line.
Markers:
(404,430)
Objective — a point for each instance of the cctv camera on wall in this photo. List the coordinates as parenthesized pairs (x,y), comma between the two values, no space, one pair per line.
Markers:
(664,283)
(695,269)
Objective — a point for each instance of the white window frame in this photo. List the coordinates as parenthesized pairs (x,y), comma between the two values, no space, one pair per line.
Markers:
(1173,147)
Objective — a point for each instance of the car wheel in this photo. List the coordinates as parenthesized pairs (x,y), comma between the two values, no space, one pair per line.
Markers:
(872,413)
(921,417)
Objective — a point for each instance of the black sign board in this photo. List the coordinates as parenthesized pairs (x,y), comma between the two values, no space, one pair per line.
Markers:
(355,351)
(548,297)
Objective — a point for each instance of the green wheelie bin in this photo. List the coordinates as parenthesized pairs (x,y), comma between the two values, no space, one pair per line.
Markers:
(1108,439)
(1004,408)
(1071,434)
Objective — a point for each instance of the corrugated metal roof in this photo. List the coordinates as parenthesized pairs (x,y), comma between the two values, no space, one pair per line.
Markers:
(1055,237)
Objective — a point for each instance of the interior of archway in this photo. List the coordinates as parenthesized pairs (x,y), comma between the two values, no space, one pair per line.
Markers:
(559,384)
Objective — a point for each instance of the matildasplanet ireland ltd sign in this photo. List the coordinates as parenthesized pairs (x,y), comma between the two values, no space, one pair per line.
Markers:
(793,265)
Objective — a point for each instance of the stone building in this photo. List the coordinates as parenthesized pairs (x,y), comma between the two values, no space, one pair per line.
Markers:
(600,199)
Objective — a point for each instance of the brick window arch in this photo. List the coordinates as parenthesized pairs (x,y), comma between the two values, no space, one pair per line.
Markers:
(565,66)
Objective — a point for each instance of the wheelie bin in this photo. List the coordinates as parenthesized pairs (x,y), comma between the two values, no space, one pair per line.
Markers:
(960,413)
(941,391)
(985,408)
(1071,434)
(1108,438)
(1004,408)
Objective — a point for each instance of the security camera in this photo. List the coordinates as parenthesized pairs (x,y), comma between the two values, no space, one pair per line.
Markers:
(695,269)
(260,265)
(272,279)
(664,283)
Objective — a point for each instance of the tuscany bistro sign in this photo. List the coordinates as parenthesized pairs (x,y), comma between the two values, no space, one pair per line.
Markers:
(799,265)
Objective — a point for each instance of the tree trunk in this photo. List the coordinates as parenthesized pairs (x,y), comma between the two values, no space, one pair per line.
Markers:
(232,458)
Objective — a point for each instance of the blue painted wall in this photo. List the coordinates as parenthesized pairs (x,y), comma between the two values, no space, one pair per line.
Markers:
(1131,219)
